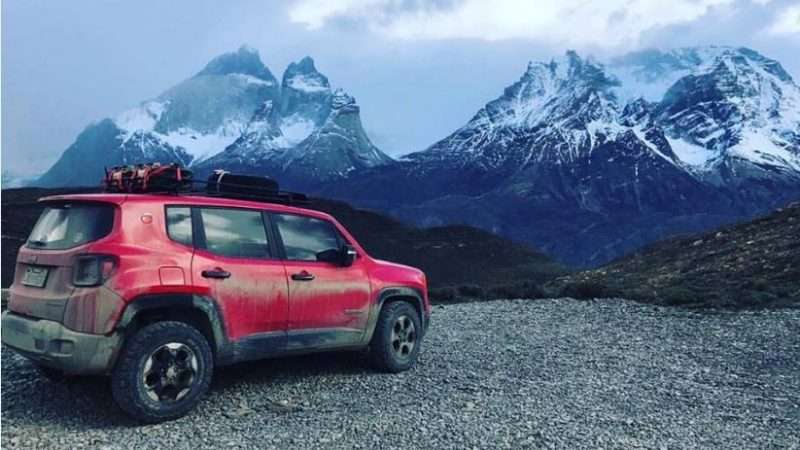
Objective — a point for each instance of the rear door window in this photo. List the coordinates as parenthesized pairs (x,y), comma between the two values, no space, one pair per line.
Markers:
(179,224)
(305,237)
(237,233)
(67,225)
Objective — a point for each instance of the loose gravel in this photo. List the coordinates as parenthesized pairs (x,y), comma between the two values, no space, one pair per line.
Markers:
(503,374)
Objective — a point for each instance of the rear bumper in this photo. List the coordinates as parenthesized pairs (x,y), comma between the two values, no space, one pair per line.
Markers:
(51,344)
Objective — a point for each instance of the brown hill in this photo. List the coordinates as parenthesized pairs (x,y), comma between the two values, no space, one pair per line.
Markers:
(756,263)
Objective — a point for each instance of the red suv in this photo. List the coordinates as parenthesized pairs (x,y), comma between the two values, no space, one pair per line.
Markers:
(157,290)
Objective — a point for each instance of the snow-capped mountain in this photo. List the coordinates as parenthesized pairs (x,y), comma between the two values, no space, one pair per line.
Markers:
(234,99)
(311,136)
(585,159)
(715,107)
(588,160)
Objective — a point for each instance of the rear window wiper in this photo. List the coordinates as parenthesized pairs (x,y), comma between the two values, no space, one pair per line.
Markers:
(36,243)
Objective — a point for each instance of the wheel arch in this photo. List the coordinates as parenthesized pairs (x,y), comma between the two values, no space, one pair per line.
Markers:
(199,311)
(395,294)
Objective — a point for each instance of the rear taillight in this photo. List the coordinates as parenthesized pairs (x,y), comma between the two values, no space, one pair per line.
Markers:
(93,270)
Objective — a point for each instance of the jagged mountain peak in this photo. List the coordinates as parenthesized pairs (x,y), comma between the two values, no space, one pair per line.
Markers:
(342,99)
(570,66)
(552,91)
(232,113)
(245,61)
(650,73)
(305,65)
(304,77)
(693,108)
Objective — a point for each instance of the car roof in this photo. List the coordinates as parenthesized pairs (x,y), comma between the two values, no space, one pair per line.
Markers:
(184,199)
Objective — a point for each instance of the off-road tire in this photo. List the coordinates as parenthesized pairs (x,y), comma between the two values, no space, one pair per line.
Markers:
(383,347)
(127,379)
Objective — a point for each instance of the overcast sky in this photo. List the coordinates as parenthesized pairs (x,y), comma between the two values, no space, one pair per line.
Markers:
(418,69)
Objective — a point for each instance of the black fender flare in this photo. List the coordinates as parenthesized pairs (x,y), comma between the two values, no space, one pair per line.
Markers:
(389,293)
(206,305)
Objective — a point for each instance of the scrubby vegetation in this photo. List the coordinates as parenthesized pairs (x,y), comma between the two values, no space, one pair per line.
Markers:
(750,264)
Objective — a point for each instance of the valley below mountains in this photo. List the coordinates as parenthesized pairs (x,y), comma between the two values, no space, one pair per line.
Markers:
(582,159)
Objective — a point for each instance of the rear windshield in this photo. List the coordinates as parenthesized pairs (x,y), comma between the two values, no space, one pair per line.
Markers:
(68,225)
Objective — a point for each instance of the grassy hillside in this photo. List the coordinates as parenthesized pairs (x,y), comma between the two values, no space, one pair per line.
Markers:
(755,263)
(459,261)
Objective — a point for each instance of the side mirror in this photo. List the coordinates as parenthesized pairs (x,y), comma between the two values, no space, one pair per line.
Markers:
(332,256)
(344,256)
(349,255)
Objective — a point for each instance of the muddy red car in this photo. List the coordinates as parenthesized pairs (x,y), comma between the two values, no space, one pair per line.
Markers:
(157,290)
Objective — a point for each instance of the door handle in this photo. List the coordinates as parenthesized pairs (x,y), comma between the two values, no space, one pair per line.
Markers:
(216,273)
(303,276)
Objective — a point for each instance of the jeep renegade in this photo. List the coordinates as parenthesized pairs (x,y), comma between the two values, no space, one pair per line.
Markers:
(157,290)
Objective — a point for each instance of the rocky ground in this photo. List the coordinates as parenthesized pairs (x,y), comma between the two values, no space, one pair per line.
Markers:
(503,374)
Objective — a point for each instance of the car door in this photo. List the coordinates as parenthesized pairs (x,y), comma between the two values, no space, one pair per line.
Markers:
(235,259)
(328,303)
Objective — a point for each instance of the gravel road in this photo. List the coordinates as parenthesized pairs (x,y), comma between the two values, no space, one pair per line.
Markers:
(502,374)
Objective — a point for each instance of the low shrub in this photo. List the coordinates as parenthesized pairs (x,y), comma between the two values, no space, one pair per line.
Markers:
(675,296)
(471,291)
(586,290)
(521,290)
(442,294)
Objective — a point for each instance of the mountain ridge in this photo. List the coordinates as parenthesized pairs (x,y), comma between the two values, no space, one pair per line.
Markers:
(560,161)
(582,158)
(234,101)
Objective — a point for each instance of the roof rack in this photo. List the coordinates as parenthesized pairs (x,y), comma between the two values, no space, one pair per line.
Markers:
(281,197)
(155,178)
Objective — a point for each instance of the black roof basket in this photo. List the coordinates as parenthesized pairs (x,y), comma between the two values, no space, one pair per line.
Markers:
(222,183)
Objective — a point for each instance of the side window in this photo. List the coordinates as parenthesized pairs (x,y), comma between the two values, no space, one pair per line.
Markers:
(179,224)
(305,237)
(237,233)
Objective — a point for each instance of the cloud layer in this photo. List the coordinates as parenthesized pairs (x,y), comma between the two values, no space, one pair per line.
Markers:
(787,22)
(569,23)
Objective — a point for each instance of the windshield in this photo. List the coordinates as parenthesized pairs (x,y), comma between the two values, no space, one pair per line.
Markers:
(71,224)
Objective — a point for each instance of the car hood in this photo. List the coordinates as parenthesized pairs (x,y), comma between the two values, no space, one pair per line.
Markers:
(398,273)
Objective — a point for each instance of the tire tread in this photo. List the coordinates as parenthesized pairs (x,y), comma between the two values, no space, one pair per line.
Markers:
(123,379)
(382,356)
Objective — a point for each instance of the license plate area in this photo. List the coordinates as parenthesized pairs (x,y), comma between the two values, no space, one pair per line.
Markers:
(35,276)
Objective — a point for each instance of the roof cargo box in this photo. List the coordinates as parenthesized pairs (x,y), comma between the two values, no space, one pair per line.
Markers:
(225,183)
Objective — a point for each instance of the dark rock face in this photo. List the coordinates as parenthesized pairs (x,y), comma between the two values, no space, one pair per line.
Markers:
(101,145)
(245,61)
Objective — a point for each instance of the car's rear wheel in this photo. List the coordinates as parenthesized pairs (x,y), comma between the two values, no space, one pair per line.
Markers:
(163,371)
(396,342)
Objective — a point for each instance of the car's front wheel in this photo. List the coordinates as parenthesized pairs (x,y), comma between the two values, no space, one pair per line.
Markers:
(397,338)
(163,371)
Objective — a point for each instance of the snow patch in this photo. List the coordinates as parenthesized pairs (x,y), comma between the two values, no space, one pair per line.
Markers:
(200,146)
(249,79)
(756,146)
(690,154)
(141,118)
(307,84)
(295,128)
(203,146)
